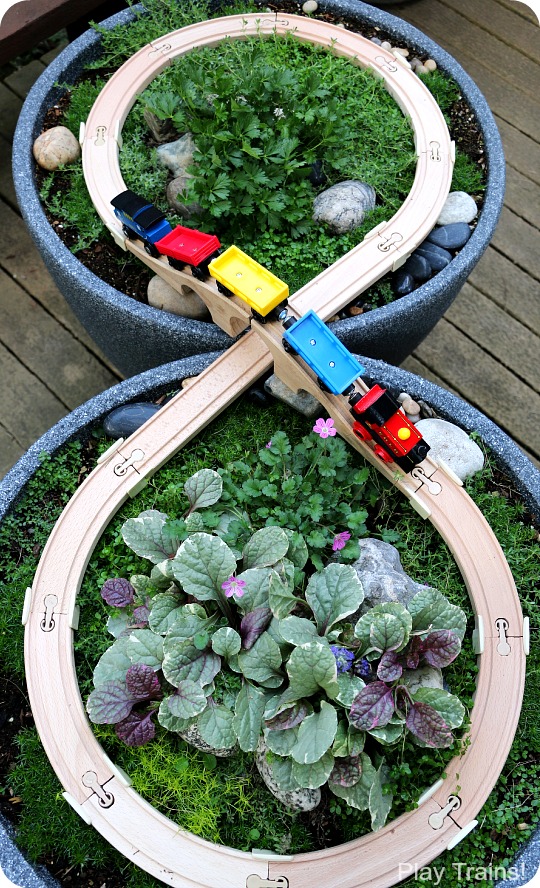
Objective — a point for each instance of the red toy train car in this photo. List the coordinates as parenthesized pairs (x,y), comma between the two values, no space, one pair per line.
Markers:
(187,246)
(378,417)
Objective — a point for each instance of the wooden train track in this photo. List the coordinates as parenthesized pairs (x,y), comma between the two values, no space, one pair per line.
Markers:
(94,786)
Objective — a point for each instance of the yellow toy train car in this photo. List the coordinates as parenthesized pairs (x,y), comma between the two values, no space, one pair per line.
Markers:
(237,274)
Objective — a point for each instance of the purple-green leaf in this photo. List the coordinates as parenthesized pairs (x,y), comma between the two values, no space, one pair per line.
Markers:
(346,771)
(253,625)
(289,718)
(142,682)
(441,647)
(140,616)
(373,707)
(137,729)
(118,592)
(389,668)
(110,703)
(425,723)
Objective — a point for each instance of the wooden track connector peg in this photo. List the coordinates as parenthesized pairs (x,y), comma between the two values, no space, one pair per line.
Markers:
(137,455)
(436,820)
(419,474)
(105,798)
(386,64)
(48,622)
(526,636)
(435,151)
(503,648)
(257,882)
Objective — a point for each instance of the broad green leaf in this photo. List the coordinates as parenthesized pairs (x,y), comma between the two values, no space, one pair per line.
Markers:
(188,662)
(226,642)
(143,586)
(449,707)
(194,522)
(144,646)
(118,623)
(285,571)
(257,581)
(216,727)
(248,713)
(281,742)
(297,630)
(349,687)
(282,772)
(313,775)
(262,661)
(380,802)
(310,667)
(315,735)
(145,536)
(357,796)
(265,547)
(279,703)
(161,575)
(356,741)
(169,721)
(189,700)
(390,733)
(362,630)
(190,620)
(166,607)
(298,550)
(334,593)
(113,664)
(203,489)
(280,598)
(386,633)
(202,563)
(431,610)
(340,746)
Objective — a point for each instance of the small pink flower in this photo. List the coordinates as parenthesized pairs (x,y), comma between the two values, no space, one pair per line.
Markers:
(325,428)
(233,586)
(268,445)
(339,540)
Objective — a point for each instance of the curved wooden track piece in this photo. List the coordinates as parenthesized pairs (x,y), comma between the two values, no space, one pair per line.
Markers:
(94,786)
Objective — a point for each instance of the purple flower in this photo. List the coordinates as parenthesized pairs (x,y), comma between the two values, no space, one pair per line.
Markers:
(233,586)
(363,668)
(339,540)
(268,445)
(343,657)
(325,428)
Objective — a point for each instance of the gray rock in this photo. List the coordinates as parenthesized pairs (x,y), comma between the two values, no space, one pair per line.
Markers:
(178,155)
(56,147)
(437,257)
(192,735)
(343,207)
(418,266)
(451,444)
(424,677)
(125,420)
(404,283)
(175,187)
(162,130)
(303,401)
(310,6)
(187,303)
(297,799)
(458,207)
(382,576)
(451,237)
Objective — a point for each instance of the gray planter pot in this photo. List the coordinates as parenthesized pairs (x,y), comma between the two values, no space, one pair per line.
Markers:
(136,337)
(157,381)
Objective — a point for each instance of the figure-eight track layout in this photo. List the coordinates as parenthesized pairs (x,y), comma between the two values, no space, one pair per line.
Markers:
(95,787)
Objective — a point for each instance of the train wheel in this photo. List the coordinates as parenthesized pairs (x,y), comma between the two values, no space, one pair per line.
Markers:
(199,273)
(223,290)
(128,232)
(383,454)
(322,385)
(151,249)
(361,432)
(175,263)
(288,347)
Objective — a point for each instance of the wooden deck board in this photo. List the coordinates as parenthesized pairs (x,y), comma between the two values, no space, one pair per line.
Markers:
(486,350)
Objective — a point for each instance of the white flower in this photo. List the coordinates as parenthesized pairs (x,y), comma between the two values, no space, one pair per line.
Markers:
(279,112)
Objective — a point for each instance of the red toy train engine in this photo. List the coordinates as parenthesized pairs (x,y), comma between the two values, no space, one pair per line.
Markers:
(378,417)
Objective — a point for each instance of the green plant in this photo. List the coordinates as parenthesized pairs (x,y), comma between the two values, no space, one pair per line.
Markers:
(239,638)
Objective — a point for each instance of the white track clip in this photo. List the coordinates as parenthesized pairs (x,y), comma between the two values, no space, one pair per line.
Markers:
(478,634)
(453,151)
(74,617)
(105,457)
(263,854)
(117,236)
(26,606)
(117,771)
(526,636)
(461,834)
(84,813)
(401,59)
(450,472)
(429,792)
(401,260)
(118,134)
(82,132)
(418,505)
(136,456)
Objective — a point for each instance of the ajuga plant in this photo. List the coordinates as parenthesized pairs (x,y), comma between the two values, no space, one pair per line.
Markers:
(243,637)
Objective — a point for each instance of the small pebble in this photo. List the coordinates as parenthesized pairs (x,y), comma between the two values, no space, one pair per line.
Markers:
(401,50)
(356,310)
(376,40)
(410,407)
(404,283)
(418,266)
(310,6)
(458,207)
(451,237)
(421,69)
(415,63)
(123,421)
(437,257)
(430,65)
(56,147)
(386,45)
(187,381)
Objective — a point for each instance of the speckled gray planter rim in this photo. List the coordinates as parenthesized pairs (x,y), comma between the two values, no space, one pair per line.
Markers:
(135,336)
(154,382)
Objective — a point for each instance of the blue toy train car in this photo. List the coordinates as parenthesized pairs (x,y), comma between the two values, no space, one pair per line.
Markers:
(138,217)
(335,366)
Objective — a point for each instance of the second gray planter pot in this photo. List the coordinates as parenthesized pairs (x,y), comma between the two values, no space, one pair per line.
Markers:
(136,337)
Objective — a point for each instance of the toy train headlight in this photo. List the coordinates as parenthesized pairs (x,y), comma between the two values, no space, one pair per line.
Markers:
(404,434)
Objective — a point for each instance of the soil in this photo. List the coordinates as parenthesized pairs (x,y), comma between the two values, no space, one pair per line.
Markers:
(127,275)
